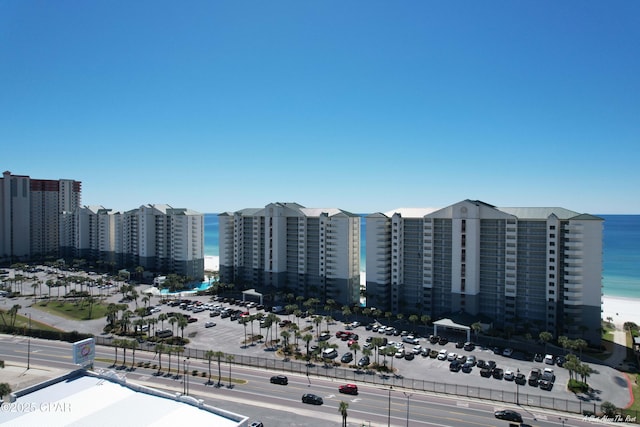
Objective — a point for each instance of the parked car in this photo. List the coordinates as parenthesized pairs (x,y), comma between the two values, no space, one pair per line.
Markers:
(329,353)
(279,379)
(409,356)
(549,359)
(364,361)
(508,415)
(534,377)
(348,389)
(538,357)
(347,357)
(312,399)
(520,379)
(509,375)
(455,366)
(467,367)
(469,346)
(507,352)
(485,372)
(497,373)
(442,355)
(209,324)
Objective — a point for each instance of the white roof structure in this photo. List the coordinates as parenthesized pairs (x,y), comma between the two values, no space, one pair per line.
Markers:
(83,398)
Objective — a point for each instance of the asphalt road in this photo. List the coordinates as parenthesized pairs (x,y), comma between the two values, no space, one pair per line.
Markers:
(275,405)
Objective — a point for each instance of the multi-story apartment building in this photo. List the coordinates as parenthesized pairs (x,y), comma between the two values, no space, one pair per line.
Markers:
(287,248)
(43,218)
(30,211)
(156,237)
(539,267)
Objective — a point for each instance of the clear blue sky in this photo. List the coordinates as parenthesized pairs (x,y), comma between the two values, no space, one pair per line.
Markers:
(361,105)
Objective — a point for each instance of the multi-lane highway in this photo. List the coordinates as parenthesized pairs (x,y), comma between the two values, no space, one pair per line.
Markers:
(276,405)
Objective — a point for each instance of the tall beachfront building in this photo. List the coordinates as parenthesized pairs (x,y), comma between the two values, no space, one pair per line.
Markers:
(158,238)
(287,248)
(30,212)
(533,268)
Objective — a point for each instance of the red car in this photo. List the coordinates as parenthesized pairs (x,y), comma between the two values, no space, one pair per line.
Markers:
(348,389)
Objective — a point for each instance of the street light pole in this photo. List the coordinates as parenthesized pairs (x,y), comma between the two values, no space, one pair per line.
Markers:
(29,344)
(389,411)
(187,376)
(408,396)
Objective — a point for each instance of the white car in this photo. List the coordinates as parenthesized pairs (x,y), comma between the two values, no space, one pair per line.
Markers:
(452,356)
(209,324)
(509,375)
(442,354)
(417,349)
(507,352)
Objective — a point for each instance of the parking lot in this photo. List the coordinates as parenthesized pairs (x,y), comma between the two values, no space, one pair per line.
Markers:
(228,336)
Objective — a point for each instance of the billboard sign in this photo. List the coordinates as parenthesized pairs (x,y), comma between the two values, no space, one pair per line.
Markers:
(84,352)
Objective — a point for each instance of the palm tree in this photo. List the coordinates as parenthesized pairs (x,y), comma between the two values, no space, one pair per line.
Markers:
(133,344)
(13,312)
(218,355)
(545,337)
(244,321)
(182,323)
(208,355)
(307,339)
(159,349)
(342,408)
(355,347)
(162,317)
(116,343)
(230,358)
(172,321)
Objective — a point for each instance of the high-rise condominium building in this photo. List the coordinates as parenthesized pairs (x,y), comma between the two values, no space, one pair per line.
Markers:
(287,248)
(30,212)
(156,237)
(538,268)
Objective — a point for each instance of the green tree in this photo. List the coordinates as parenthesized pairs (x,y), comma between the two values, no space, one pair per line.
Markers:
(545,337)
(209,355)
(608,408)
(5,389)
(218,355)
(230,358)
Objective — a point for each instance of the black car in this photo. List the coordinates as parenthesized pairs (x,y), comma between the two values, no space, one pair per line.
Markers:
(312,399)
(455,366)
(469,346)
(346,358)
(497,373)
(520,379)
(459,344)
(364,361)
(485,372)
(443,341)
(508,415)
(409,356)
(467,367)
(279,379)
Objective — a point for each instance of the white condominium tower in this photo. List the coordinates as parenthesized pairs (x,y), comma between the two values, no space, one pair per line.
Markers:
(30,211)
(287,248)
(158,238)
(533,268)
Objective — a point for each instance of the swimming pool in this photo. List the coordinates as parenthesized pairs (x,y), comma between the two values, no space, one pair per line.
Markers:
(192,289)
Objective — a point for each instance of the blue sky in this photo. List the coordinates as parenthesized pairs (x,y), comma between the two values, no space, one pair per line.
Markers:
(361,105)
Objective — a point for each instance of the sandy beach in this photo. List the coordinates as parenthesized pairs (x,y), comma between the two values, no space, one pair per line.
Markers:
(211,263)
(621,309)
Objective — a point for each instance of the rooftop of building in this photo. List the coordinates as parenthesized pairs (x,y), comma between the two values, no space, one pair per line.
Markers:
(105,398)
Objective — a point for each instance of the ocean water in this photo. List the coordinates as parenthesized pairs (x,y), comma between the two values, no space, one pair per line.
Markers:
(620,263)
(621,256)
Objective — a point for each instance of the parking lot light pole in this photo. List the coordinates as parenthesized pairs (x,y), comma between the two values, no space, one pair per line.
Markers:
(518,389)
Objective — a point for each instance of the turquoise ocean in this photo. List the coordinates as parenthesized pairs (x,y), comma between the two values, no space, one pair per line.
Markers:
(621,252)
